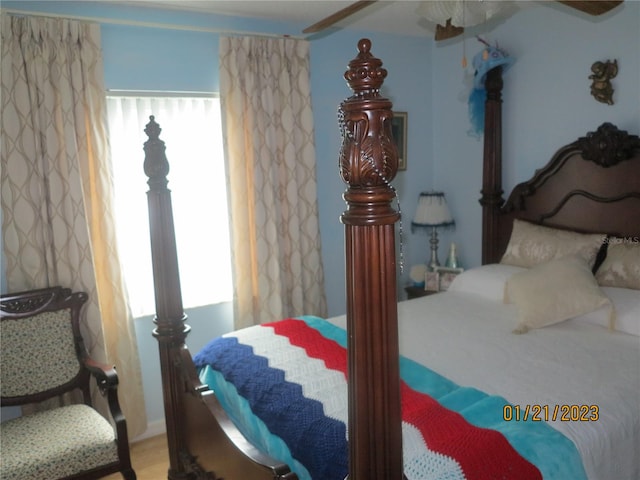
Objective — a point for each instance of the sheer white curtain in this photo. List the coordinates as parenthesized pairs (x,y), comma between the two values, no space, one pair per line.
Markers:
(57,185)
(269,135)
(192,133)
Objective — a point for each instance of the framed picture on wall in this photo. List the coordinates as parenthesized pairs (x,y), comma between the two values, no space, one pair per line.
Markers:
(399,131)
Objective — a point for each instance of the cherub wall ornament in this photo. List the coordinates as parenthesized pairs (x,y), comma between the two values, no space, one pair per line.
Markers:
(601,88)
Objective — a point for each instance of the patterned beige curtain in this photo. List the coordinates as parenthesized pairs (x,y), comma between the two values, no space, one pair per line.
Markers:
(269,143)
(57,185)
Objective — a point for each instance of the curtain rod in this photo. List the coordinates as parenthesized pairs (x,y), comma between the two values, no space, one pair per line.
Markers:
(136,23)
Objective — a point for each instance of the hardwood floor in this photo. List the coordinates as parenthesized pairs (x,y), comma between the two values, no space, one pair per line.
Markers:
(150,459)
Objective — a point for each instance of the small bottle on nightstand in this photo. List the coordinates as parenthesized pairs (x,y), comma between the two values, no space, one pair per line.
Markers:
(452,259)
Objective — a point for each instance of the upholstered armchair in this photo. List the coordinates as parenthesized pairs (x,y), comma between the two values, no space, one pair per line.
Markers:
(43,356)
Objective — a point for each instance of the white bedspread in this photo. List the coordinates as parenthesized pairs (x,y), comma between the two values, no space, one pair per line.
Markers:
(468,339)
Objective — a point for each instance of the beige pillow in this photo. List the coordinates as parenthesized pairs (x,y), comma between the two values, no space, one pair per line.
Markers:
(621,267)
(532,244)
(553,292)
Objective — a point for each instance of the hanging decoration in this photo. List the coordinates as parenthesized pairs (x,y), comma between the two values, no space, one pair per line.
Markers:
(489,58)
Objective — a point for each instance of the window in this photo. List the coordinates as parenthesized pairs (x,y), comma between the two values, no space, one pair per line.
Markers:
(191,130)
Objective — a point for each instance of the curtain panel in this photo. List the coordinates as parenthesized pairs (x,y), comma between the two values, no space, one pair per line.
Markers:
(56,185)
(270,153)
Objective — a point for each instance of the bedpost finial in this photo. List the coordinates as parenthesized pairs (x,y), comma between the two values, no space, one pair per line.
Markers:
(365,74)
(364,45)
(368,156)
(156,166)
(152,129)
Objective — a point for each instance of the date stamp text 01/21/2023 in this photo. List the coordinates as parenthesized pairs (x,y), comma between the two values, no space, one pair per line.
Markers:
(539,413)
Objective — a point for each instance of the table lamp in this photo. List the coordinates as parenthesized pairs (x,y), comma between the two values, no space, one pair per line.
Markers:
(432,213)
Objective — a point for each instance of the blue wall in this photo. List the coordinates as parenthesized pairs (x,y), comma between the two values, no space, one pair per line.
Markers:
(546,94)
(547,101)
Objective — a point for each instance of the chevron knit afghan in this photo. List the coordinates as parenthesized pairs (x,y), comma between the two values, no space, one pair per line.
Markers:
(294,380)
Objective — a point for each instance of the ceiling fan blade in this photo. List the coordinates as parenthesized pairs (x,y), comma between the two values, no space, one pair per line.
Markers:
(339,15)
(592,7)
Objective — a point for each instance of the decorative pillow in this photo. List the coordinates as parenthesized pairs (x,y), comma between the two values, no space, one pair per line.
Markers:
(555,291)
(532,244)
(621,266)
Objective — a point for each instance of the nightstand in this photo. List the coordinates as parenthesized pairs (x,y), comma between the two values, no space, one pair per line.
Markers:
(417,292)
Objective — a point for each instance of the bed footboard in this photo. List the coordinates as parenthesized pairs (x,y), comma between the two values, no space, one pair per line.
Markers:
(214,447)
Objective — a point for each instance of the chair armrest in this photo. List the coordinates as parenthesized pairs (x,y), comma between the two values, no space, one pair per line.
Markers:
(105,375)
(107,380)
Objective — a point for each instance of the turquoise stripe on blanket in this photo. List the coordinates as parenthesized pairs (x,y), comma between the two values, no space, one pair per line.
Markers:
(554,454)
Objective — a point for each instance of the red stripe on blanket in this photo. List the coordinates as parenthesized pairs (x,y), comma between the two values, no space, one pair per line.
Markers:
(481,453)
(315,344)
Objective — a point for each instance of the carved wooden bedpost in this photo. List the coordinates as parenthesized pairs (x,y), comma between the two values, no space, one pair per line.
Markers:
(368,162)
(171,329)
(492,200)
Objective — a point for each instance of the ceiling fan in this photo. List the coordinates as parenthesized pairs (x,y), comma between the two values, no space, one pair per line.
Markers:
(449,16)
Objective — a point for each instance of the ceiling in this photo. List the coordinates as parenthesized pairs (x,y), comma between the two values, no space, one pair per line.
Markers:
(384,16)
(387,16)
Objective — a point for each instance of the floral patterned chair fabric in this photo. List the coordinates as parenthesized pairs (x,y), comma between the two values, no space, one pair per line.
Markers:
(43,356)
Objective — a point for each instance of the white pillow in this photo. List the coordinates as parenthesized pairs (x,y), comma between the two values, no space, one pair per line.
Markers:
(626,303)
(487,281)
(554,292)
(532,244)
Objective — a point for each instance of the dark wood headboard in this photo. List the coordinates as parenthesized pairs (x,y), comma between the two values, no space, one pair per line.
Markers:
(591,185)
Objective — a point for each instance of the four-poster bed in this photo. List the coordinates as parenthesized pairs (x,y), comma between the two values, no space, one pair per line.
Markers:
(591,185)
